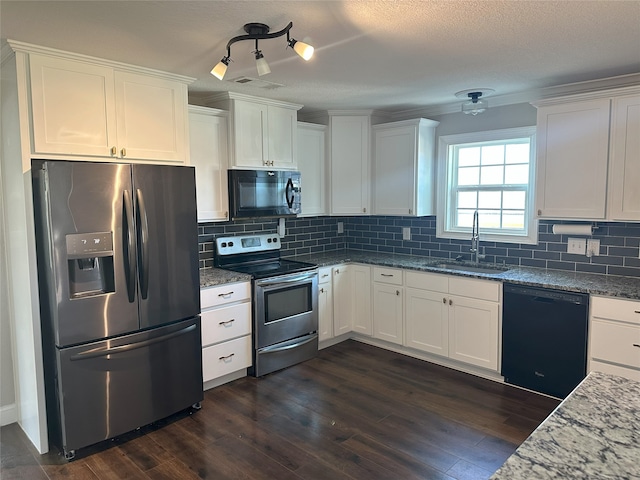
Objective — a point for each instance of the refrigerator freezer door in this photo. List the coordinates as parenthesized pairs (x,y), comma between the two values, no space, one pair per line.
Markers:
(168,278)
(86,250)
(113,386)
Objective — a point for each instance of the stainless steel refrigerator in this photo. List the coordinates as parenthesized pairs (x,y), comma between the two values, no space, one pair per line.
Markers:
(119,291)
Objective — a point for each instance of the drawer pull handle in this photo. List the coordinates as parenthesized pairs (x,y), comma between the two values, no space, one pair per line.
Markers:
(227,322)
(636,345)
(636,311)
(325,275)
(225,295)
(386,275)
(227,357)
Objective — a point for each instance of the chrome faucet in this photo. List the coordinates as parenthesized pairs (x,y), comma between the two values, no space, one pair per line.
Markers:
(475,239)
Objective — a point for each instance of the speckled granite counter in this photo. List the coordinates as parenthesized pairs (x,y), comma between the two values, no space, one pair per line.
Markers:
(210,277)
(610,285)
(593,434)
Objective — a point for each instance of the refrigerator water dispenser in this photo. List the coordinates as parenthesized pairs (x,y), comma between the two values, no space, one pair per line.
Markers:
(90,262)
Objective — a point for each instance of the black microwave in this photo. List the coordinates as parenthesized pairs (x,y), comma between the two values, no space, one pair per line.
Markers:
(264,193)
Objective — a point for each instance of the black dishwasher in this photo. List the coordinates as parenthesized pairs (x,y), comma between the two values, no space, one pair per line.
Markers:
(544,338)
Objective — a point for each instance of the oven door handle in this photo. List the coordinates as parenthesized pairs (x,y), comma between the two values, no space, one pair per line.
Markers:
(287,280)
(289,346)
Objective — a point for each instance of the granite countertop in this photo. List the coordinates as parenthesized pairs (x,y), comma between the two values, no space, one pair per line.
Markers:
(595,284)
(593,434)
(211,277)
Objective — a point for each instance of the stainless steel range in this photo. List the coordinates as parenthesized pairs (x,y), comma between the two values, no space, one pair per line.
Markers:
(285,300)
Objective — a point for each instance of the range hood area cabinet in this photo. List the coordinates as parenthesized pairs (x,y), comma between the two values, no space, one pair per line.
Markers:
(588,156)
(262,132)
(404,168)
(87,107)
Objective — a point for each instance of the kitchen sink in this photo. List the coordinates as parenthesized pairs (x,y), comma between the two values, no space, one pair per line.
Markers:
(471,268)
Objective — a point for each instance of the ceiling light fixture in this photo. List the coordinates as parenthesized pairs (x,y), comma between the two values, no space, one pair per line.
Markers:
(260,31)
(474,105)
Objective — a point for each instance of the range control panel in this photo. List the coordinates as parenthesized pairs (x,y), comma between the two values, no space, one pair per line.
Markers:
(247,244)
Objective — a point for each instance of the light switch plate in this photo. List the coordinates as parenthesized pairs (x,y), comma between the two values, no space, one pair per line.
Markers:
(340,227)
(577,246)
(406,233)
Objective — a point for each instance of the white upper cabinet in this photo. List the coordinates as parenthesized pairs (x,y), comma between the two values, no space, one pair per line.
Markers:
(404,168)
(350,164)
(311,163)
(588,151)
(624,178)
(81,107)
(208,153)
(262,132)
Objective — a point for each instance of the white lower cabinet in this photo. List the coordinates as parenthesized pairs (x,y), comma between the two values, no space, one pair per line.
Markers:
(614,343)
(342,312)
(226,330)
(325,304)
(388,305)
(454,317)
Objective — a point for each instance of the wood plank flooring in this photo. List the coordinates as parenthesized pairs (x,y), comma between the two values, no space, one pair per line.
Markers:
(354,412)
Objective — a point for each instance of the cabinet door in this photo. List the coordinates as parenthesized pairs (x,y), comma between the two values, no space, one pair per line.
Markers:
(427,321)
(325,311)
(395,171)
(387,312)
(473,331)
(624,184)
(73,107)
(151,117)
(311,163)
(350,175)
(342,300)
(572,150)
(282,137)
(208,153)
(249,134)
(361,288)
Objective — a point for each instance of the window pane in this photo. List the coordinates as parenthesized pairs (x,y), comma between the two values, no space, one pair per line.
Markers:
(464,218)
(513,220)
(491,175)
(468,156)
(468,175)
(468,200)
(517,153)
(493,155)
(490,200)
(489,219)
(516,174)
(514,200)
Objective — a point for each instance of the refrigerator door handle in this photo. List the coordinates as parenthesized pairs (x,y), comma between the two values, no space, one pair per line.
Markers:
(104,351)
(143,226)
(130,247)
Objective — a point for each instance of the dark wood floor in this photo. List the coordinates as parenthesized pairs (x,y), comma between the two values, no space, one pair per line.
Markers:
(354,412)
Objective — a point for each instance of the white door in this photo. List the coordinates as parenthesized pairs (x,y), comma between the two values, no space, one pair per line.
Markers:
(342,300)
(394,171)
(311,163)
(361,288)
(282,137)
(249,134)
(325,311)
(387,312)
(427,321)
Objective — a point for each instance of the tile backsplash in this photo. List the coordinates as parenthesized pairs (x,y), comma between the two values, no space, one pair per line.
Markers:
(619,242)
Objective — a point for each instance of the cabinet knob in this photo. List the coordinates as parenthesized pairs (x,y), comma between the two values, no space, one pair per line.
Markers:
(444,300)
(123,152)
(410,211)
(450,302)
(364,210)
(322,290)
(539,212)
(397,292)
(114,151)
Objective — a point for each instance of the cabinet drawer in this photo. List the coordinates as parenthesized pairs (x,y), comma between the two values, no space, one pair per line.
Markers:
(616,309)
(474,288)
(225,358)
(615,370)
(223,323)
(227,293)
(324,275)
(387,275)
(614,342)
(435,282)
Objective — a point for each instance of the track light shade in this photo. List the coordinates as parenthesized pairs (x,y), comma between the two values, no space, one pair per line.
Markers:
(303,49)
(261,64)
(221,68)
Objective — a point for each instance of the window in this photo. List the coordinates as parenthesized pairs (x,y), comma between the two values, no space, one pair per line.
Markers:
(491,173)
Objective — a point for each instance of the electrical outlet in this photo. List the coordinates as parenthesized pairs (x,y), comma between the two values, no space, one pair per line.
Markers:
(406,233)
(593,247)
(577,246)
(340,227)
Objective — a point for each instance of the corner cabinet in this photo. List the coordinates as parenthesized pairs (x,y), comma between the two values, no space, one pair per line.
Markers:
(311,163)
(262,132)
(351,299)
(84,107)
(581,142)
(350,164)
(404,168)
(208,154)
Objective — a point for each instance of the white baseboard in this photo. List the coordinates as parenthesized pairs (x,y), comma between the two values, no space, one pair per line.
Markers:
(8,414)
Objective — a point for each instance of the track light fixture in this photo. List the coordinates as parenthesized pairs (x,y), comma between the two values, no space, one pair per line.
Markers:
(474,105)
(260,31)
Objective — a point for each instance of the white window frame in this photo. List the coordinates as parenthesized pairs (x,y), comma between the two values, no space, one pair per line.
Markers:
(445,180)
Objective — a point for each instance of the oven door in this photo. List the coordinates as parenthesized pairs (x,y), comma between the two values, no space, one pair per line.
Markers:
(286,307)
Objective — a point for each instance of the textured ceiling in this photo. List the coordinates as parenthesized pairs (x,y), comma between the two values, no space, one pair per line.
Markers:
(389,55)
